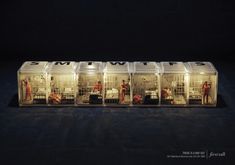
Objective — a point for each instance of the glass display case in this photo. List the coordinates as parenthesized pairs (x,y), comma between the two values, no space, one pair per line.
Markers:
(62,82)
(146,83)
(173,83)
(117,83)
(203,82)
(32,83)
(90,83)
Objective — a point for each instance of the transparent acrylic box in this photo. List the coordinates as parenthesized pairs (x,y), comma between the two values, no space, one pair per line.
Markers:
(146,83)
(173,83)
(203,83)
(62,83)
(117,83)
(90,83)
(32,83)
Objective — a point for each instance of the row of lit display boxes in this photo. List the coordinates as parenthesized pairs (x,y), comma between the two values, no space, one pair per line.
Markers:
(116,83)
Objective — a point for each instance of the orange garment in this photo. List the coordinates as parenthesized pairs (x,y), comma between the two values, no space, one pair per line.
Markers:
(164,93)
(137,99)
(206,89)
(28,90)
(97,87)
(122,92)
(55,98)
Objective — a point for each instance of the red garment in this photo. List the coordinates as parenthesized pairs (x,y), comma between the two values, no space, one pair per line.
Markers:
(55,98)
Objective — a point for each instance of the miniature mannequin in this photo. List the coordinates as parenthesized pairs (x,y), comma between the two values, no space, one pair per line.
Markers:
(123,88)
(137,99)
(128,84)
(55,98)
(165,92)
(205,90)
(98,87)
(28,90)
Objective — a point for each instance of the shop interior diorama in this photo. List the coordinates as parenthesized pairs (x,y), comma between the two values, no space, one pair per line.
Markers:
(117,83)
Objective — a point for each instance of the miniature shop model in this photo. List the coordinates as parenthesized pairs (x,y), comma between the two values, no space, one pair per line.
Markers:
(117,83)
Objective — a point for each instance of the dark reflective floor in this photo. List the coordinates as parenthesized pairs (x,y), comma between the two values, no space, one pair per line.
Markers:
(71,135)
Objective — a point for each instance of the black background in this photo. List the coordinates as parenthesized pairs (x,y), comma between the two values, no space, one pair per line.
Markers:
(117,30)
